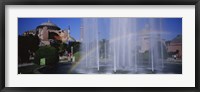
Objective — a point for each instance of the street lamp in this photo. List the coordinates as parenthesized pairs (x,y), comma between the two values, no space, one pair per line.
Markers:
(72,50)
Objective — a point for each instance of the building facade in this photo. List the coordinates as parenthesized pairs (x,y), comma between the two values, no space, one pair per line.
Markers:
(47,31)
(175,47)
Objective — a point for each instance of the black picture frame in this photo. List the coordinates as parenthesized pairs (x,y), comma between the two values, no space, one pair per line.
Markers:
(3,3)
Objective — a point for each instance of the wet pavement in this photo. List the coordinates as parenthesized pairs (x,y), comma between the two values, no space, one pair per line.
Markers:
(172,68)
(65,68)
(60,68)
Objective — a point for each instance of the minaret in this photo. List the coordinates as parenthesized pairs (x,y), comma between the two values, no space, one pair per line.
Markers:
(68,30)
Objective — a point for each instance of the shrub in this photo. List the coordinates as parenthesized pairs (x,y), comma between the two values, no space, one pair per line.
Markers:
(77,56)
(49,53)
(75,45)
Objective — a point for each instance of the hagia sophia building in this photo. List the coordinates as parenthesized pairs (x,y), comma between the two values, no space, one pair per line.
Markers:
(47,31)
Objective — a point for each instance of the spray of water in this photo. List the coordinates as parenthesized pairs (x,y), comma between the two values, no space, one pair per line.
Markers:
(126,50)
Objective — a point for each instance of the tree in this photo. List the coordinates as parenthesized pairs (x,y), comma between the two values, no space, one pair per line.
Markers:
(27,45)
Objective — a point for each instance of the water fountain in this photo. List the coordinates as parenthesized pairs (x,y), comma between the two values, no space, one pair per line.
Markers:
(128,50)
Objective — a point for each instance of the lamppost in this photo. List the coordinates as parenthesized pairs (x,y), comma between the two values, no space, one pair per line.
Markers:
(72,56)
(72,50)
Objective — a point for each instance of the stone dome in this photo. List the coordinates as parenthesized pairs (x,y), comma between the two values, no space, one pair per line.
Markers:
(50,25)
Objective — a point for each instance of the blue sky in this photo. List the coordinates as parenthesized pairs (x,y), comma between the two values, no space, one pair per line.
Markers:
(173,26)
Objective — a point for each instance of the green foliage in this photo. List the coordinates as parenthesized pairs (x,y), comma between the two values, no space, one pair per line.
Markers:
(49,53)
(62,48)
(77,56)
(75,45)
(42,61)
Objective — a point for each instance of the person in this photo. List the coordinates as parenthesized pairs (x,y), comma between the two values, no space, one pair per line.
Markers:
(69,56)
(65,52)
(175,56)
